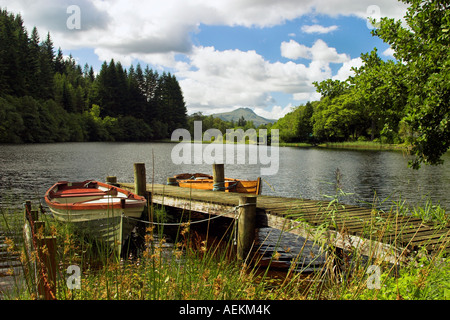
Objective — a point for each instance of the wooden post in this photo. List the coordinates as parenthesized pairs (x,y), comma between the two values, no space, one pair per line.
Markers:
(47,253)
(218,177)
(172,181)
(28,212)
(140,183)
(246,226)
(112,180)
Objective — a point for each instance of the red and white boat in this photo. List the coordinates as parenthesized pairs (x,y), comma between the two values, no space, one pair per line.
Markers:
(95,208)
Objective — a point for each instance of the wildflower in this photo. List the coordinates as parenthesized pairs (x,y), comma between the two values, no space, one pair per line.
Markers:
(53,231)
(178,254)
(185,228)
(203,246)
(276,255)
(205,275)
(10,246)
(44,250)
(148,237)
(218,285)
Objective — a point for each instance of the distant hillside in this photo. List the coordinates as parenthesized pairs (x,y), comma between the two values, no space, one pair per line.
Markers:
(248,115)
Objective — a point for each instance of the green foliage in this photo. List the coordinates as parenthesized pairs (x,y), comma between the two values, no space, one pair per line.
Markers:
(423,48)
(297,125)
(424,278)
(45,97)
(406,101)
(338,118)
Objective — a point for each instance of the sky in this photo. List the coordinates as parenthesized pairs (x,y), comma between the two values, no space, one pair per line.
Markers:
(226,54)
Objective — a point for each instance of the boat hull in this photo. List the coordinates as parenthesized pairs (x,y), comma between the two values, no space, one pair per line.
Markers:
(97,210)
(205,182)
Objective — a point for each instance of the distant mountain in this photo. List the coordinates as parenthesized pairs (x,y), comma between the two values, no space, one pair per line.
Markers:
(247,113)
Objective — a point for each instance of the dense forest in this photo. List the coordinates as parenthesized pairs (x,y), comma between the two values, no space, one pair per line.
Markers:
(45,97)
(402,101)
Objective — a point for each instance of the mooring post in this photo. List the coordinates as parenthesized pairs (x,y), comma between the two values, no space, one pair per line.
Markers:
(246,226)
(218,177)
(30,213)
(47,253)
(112,180)
(172,181)
(140,183)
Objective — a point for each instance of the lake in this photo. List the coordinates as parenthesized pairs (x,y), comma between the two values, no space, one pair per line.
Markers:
(27,171)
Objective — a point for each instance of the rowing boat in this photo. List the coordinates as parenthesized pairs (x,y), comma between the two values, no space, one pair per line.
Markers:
(96,209)
(206,182)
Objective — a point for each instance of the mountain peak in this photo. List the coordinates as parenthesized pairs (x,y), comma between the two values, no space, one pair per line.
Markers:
(247,113)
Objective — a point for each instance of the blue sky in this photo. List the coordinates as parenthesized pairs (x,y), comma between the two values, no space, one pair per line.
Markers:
(226,54)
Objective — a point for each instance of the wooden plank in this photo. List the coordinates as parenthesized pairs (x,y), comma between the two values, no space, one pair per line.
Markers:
(440,235)
(195,205)
(365,246)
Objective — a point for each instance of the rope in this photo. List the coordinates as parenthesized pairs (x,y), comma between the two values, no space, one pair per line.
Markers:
(217,187)
(192,222)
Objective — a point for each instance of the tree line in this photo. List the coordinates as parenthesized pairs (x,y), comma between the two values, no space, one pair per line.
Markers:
(45,97)
(403,101)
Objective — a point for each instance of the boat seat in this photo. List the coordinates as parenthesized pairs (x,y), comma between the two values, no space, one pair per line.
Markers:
(79,193)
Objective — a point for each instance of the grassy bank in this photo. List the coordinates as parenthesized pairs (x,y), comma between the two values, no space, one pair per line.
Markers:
(196,267)
(357,145)
(363,145)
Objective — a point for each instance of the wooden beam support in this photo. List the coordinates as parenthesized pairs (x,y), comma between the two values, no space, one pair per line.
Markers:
(218,177)
(246,226)
(140,179)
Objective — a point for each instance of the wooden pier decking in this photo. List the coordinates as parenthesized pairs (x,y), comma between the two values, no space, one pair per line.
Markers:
(387,236)
(10,265)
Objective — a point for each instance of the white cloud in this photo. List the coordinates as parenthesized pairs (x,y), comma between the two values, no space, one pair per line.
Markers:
(389,52)
(277,112)
(293,50)
(221,79)
(145,27)
(318,52)
(345,71)
(315,28)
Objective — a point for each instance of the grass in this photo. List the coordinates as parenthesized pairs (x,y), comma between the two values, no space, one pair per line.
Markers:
(197,267)
(363,145)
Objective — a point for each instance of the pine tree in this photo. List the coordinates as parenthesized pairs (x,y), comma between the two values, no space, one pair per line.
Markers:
(59,62)
(33,56)
(47,68)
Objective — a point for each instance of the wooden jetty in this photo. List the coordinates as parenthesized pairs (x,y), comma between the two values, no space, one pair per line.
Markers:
(384,235)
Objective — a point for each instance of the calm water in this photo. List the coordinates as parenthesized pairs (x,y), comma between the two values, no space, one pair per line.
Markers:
(27,171)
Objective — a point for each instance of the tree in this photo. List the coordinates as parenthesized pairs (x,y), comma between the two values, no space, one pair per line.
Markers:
(424,48)
(338,118)
(241,122)
(331,88)
(380,90)
(47,68)
(170,99)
